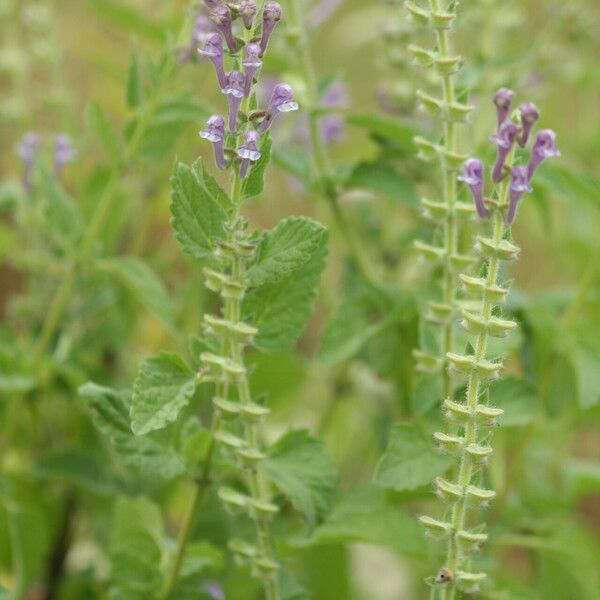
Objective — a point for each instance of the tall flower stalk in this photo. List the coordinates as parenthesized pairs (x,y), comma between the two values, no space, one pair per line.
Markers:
(467,433)
(447,212)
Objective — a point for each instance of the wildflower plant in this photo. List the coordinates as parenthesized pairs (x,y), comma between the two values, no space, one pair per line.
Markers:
(469,422)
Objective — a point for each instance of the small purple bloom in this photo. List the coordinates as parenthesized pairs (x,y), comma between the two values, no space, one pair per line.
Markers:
(248,11)
(202,27)
(473,177)
(529,115)
(282,100)
(215,134)
(221,17)
(505,138)
(544,147)
(63,152)
(518,186)
(248,151)
(251,64)
(234,89)
(332,125)
(214,590)
(213,50)
(271,16)
(503,99)
(27,149)
(213,3)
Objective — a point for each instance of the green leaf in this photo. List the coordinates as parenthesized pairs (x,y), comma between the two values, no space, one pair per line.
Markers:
(199,207)
(517,398)
(294,161)
(383,179)
(110,410)
(255,182)
(102,130)
(164,385)
(135,89)
(143,283)
(300,468)
(285,249)
(387,128)
(62,216)
(586,361)
(281,310)
(367,514)
(410,460)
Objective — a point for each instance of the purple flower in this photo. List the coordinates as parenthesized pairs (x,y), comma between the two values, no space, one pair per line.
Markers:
(282,100)
(473,177)
(234,89)
(248,151)
(529,115)
(248,11)
(213,3)
(202,26)
(251,64)
(27,149)
(213,50)
(63,152)
(214,590)
(271,16)
(503,99)
(544,147)
(332,125)
(221,17)
(505,138)
(518,186)
(215,134)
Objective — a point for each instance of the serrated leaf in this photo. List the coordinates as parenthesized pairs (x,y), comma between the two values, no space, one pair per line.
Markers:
(282,309)
(255,182)
(143,282)
(164,385)
(102,130)
(298,465)
(285,248)
(410,460)
(135,90)
(199,208)
(110,410)
(368,515)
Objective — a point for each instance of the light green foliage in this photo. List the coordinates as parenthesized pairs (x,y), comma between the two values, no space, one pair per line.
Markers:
(280,310)
(164,386)
(199,209)
(103,132)
(410,461)
(255,182)
(298,466)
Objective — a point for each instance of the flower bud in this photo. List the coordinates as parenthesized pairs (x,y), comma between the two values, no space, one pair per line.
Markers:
(215,134)
(63,152)
(529,115)
(503,99)
(271,16)
(282,100)
(27,149)
(251,64)
(221,17)
(544,147)
(234,89)
(473,177)
(248,151)
(248,11)
(505,138)
(213,50)
(518,186)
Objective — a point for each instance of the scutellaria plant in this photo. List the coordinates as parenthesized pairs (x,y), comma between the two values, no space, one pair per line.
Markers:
(469,422)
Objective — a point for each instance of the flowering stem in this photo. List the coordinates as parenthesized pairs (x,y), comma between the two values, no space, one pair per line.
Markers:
(321,161)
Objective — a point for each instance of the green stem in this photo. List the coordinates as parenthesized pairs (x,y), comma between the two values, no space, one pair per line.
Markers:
(321,161)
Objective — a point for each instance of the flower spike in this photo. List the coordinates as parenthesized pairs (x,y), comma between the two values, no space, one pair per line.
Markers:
(518,186)
(282,100)
(215,134)
(221,17)
(248,10)
(505,138)
(503,99)
(27,149)
(251,64)
(213,50)
(271,16)
(529,115)
(473,177)
(544,147)
(235,92)
(248,151)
